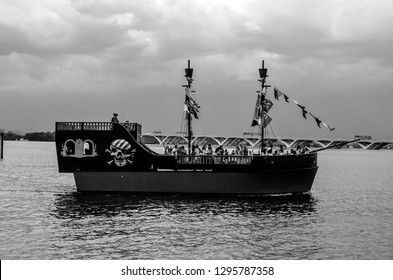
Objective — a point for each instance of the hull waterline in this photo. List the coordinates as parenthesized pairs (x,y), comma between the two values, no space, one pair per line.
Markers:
(203,182)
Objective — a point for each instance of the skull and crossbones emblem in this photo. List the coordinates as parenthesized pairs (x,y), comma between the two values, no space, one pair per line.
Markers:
(121,152)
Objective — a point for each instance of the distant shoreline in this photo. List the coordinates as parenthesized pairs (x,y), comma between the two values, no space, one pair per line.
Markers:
(31,136)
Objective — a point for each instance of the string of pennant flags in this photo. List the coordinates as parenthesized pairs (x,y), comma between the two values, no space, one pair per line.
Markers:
(261,108)
(278,93)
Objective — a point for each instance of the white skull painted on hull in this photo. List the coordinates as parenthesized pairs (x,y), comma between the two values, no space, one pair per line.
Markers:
(121,151)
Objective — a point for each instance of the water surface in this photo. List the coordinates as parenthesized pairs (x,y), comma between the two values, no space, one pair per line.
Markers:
(347,215)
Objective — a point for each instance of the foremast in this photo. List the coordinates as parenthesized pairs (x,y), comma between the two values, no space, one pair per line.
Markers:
(263,75)
(191,107)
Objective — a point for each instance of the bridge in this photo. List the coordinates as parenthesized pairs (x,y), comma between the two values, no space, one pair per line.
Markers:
(252,142)
(290,143)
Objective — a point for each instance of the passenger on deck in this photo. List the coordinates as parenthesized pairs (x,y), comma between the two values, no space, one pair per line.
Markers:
(233,159)
(197,151)
(114,118)
(245,150)
(225,156)
(219,151)
(182,151)
(209,150)
(270,150)
(175,150)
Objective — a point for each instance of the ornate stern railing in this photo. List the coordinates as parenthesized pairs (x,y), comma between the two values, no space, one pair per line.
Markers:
(84,126)
(135,129)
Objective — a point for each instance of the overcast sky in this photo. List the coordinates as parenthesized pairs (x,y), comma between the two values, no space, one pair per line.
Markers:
(73,60)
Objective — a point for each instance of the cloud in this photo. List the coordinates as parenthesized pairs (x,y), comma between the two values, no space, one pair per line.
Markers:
(114,49)
(176,28)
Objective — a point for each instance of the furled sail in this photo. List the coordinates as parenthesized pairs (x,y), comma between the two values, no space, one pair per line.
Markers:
(257,112)
(261,109)
(190,105)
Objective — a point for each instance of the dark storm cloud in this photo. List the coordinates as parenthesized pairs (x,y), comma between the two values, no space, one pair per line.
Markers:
(335,52)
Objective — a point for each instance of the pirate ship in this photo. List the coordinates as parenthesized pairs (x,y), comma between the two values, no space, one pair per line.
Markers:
(109,156)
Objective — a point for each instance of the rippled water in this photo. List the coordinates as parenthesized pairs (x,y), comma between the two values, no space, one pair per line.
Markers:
(347,215)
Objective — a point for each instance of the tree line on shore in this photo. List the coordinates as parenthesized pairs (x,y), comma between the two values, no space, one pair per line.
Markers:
(31,136)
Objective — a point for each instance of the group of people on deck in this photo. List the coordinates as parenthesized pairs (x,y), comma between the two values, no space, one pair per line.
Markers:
(241,150)
(269,150)
(207,150)
(175,150)
(195,150)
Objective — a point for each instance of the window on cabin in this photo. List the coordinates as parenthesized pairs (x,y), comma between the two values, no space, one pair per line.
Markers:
(70,148)
(87,148)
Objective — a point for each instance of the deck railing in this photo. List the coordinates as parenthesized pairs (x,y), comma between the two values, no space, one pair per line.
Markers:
(101,126)
(84,126)
(207,159)
(97,126)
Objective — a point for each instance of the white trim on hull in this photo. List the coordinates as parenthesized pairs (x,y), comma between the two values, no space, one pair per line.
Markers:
(203,182)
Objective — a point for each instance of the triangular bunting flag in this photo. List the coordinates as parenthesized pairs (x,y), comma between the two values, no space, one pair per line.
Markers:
(266,105)
(277,93)
(266,120)
(304,113)
(328,127)
(318,122)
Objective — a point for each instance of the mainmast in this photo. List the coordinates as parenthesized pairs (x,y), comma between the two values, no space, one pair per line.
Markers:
(189,79)
(263,75)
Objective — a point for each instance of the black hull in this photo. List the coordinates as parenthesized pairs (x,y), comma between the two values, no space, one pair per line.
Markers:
(198,182)
(109,157)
